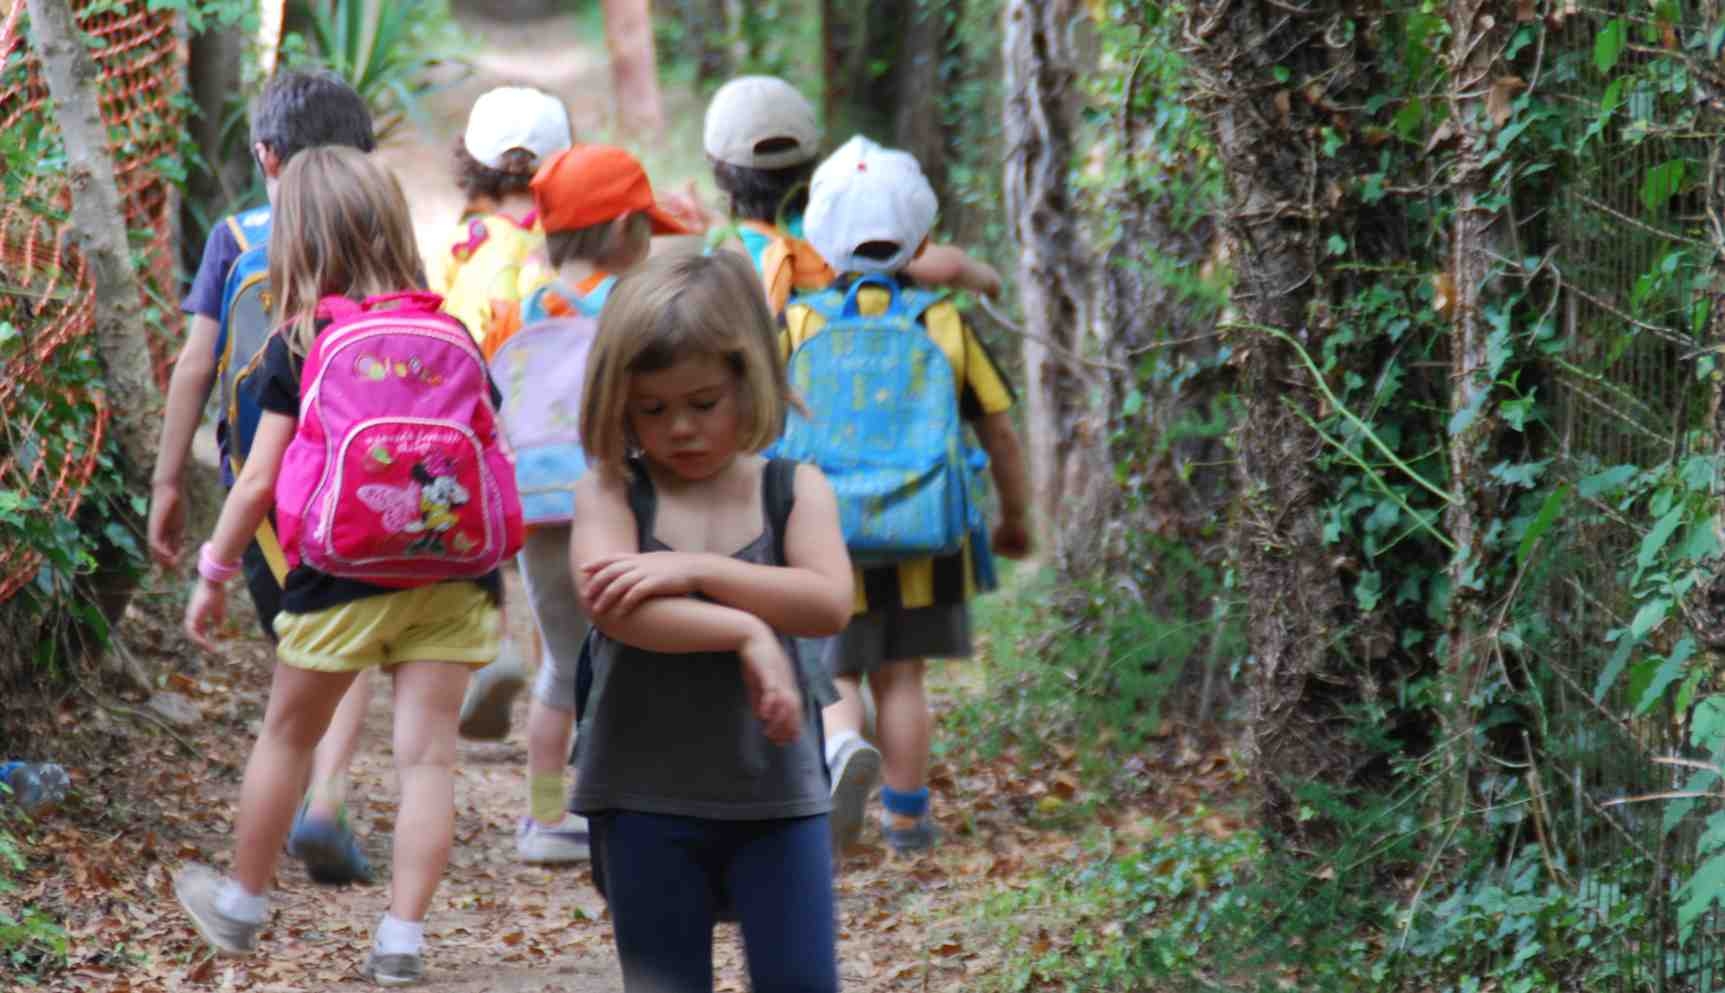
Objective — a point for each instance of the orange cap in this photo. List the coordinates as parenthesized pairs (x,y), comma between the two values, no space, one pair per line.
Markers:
(592,184)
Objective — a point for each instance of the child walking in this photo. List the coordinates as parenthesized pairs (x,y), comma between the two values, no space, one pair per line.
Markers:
(297,110)
(394,562)
(599,216)
(870,209)
(700,764)
(495,257)
(763,141)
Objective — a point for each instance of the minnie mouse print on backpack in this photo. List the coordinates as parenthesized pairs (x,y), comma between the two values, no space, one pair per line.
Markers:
(397,474)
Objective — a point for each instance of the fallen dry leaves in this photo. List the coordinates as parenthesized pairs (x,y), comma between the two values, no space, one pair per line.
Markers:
(144,805)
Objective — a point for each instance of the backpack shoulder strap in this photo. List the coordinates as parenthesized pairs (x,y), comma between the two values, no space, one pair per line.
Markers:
(238,230)
(643,502)
(778,497)
(505,320)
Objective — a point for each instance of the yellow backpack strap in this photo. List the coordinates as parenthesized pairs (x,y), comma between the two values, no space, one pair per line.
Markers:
(239,232)
(267,541)
(271,546)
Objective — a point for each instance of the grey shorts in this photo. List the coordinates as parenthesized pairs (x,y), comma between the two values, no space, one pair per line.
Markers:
(896,634)
(550,587)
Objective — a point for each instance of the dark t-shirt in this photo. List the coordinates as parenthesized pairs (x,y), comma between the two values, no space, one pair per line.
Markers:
(308,590)
(220,252)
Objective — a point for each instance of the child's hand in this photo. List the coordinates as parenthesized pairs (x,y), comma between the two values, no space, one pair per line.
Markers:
(207,609)
(980,278)
(617,584)
(686,206)
(1012,539)
(167,524)
(772,683)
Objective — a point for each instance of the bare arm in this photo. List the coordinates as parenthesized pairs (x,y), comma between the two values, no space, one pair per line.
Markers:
(951,266)
(188,390)
(247,504)
(1011,482)
(254,493)
(604,529)
(809,597)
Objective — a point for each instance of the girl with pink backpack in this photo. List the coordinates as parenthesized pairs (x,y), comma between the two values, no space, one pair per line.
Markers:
(395,499)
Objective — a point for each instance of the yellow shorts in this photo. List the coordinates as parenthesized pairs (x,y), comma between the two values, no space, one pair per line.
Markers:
(443,622)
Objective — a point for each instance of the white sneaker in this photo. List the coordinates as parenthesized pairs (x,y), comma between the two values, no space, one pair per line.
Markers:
(564,843)
(855,773)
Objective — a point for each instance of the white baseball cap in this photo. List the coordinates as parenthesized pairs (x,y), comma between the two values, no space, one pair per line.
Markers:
(511,117)
(761,122)
(865,193)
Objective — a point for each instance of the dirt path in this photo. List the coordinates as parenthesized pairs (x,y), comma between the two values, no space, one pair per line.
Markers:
(148,800)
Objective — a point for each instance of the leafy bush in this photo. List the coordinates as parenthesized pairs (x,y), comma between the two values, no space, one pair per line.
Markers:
(387,52)
(31,944)
(1094,663)
(1200,906)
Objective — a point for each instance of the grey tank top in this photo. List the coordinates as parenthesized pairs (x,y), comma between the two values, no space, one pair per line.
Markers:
(674,734)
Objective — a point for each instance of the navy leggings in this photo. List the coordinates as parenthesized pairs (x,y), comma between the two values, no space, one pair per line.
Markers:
(666,877)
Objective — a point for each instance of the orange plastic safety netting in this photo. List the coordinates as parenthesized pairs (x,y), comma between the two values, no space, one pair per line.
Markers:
(53,425)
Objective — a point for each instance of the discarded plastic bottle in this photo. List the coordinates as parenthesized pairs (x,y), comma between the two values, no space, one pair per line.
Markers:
(37,787)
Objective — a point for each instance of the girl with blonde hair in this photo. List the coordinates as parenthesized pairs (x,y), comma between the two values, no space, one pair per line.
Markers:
(341,230)
(700,767)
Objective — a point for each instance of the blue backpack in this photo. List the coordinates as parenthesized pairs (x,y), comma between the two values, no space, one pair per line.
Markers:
(245,325)
(883,424)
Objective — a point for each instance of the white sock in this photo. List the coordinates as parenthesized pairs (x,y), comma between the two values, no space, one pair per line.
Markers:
(399,937)
(233,901)
(838,741)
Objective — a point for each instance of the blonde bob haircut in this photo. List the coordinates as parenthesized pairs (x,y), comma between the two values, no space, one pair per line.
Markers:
(683,304)
(341,228)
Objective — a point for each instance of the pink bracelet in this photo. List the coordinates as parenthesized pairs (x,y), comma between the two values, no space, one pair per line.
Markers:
(212,570)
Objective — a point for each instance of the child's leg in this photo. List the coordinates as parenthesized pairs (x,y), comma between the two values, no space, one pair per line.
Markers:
(847,714)
(427,699)
(328,789)
(321,836)
(549,730)
(300,706)
(853,765)
(905,724)
(547,836)
(659,877)
(781,883)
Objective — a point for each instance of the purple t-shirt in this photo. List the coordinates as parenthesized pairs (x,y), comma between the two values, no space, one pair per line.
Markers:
(220,253)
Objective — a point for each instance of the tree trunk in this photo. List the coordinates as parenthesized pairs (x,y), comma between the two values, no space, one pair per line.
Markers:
(919,128)
(1299,613)
(213,76)
(1168,481)
(859,38)
(634,70)
(706,30)
(1042,104)
(1478,32)
(98,229)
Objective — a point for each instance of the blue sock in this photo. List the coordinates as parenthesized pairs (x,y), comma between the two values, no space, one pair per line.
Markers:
(912,804)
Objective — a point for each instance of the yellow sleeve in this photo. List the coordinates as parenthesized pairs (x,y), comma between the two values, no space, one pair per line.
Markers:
(799,325)
(983,381)
(982,387)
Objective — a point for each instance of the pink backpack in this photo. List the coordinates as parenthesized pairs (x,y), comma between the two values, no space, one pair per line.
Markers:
(397,474)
